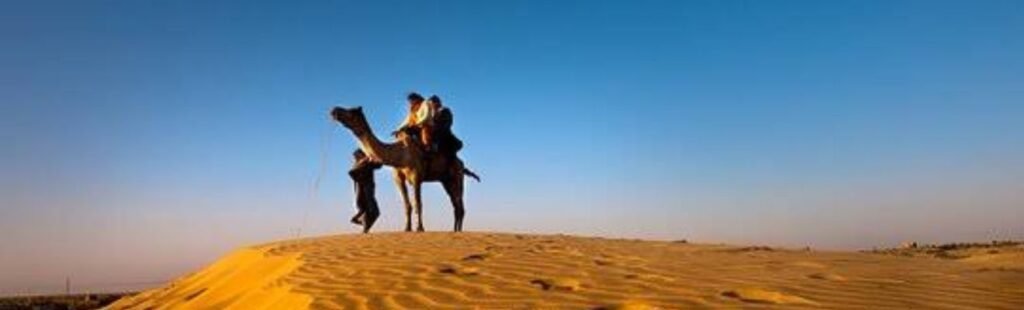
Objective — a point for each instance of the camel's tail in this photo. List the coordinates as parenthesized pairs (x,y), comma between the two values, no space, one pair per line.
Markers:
(466,171)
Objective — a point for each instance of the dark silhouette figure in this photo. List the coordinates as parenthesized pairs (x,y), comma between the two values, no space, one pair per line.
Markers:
(365,189)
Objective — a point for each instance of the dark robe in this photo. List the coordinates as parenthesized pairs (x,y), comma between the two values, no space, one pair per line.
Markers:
(365,190)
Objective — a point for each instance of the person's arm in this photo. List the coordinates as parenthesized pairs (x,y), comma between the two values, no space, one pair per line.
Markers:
(409,121)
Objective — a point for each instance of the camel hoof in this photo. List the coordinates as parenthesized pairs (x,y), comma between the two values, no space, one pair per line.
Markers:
(420,229)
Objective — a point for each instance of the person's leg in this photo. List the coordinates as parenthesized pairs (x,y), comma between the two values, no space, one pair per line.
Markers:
(447,143)
(357,174)
(427,137)
(360,208)
(371,208)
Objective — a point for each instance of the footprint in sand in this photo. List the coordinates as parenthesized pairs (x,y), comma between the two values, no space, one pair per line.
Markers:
(479,257)
(603,262)
(827,276)
(559,284)
(459,270)
(756,295)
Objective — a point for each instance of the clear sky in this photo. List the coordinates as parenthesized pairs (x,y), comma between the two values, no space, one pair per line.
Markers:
(141,139)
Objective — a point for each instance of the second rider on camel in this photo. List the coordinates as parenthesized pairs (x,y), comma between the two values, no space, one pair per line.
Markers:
(432,122)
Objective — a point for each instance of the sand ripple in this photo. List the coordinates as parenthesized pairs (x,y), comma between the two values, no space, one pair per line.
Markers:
(507,271)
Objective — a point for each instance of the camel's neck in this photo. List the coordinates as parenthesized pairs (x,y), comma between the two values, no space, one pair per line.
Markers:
(386,153)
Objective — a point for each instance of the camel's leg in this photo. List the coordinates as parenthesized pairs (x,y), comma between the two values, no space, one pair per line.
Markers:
(400,182)
(453,187)
(417,187)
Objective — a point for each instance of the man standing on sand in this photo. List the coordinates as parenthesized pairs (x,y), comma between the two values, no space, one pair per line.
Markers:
(366,202)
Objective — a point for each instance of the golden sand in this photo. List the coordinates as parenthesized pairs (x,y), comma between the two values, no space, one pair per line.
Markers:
(248,278)
(507,271)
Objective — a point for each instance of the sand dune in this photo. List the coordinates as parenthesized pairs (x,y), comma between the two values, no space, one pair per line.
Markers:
(507,271)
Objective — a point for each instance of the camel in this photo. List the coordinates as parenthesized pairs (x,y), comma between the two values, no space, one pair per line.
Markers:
(411,164)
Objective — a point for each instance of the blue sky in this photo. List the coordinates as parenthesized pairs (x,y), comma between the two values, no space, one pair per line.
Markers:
(142,139)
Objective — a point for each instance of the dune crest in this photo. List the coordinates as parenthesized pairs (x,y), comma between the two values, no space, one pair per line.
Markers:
(248,278)
(511,271)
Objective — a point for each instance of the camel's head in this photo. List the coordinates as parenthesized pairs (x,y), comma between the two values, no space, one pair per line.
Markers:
(353,119)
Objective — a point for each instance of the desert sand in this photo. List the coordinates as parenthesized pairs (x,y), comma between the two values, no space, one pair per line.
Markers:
(510,271)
